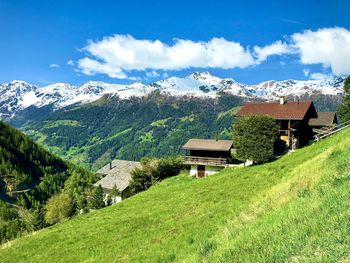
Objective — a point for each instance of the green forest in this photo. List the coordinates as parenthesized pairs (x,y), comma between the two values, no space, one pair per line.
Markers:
(29,176)
(153,126)
(91,135)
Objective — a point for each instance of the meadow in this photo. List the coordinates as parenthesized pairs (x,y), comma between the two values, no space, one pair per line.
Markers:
(294,209)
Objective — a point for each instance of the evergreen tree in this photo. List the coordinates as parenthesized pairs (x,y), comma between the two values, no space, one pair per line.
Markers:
(344,108)
(115,191)
(254,138)
(96,200)
(38,220)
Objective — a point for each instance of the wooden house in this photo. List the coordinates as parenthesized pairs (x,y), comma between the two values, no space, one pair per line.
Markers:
(116,173)
(292,117)
(207,156)
(324,123)
(324,120)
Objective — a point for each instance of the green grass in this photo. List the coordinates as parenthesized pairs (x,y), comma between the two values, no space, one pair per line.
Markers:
(58,123)
(119,134)
(146,137)
(230,112)
(160,123)
(295,209)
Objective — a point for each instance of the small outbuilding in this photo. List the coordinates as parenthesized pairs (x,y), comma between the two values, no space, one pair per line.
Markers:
(116,173)
(324,123)
(324,120)
(207,156)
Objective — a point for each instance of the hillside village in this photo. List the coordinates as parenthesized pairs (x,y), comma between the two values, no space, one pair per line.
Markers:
(299,124)
(262,132)
(174,132)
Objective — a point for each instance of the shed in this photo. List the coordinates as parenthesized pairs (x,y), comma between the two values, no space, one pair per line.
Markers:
(324,119)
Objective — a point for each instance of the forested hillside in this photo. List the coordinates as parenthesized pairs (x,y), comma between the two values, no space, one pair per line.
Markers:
(29,176)
(295,209)
(151,126)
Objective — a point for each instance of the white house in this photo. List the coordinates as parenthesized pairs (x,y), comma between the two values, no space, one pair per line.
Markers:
(207,156)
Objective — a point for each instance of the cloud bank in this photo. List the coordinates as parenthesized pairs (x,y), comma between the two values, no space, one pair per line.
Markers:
(118,55)
(329,47)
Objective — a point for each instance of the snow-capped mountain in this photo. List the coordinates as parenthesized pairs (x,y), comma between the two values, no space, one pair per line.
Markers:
(15,96)
(19,95)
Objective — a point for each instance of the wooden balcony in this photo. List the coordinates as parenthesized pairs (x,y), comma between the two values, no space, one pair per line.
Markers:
(205,161)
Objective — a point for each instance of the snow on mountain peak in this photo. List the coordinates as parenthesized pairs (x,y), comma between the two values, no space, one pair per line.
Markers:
(18,95)
(205,77)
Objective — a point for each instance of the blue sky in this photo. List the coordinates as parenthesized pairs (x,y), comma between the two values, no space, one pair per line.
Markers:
(43,42)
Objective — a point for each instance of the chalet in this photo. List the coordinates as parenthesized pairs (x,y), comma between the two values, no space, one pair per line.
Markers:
(116,173)
(206,156)
(324,120)
(293,118)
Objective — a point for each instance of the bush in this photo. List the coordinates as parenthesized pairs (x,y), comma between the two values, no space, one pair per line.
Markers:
(254,138)
(141,179)
(58,208)
(154,170)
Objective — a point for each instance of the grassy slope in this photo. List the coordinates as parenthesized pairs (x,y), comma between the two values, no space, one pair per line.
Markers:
(294,209)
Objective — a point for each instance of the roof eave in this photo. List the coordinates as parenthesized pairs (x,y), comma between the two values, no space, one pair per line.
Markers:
(210,150)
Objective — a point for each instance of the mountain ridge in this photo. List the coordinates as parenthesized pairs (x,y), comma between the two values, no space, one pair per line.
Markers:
(17,95)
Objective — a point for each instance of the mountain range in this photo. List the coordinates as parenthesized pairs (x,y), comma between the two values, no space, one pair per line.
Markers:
(17,96)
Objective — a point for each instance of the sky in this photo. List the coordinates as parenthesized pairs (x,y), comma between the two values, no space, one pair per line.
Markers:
(44,42)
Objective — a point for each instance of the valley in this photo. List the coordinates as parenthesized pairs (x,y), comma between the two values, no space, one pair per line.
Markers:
(97,122)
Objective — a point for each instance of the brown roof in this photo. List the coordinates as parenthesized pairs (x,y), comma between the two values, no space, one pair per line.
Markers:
(208,145)
(290,110)
(324,119)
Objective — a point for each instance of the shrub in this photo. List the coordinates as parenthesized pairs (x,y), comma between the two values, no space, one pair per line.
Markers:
(58,208)
(254,138)
(141,179)
(153,170)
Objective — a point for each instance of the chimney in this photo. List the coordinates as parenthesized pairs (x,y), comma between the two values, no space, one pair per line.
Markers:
(282,100)
(110,165)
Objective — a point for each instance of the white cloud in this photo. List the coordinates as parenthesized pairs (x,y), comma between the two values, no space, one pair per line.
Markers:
(54,66)
(117,55)
(306,72)
(276,48)
(329,47)
(165,75)
(320,76)
(70,62)
(152,74)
